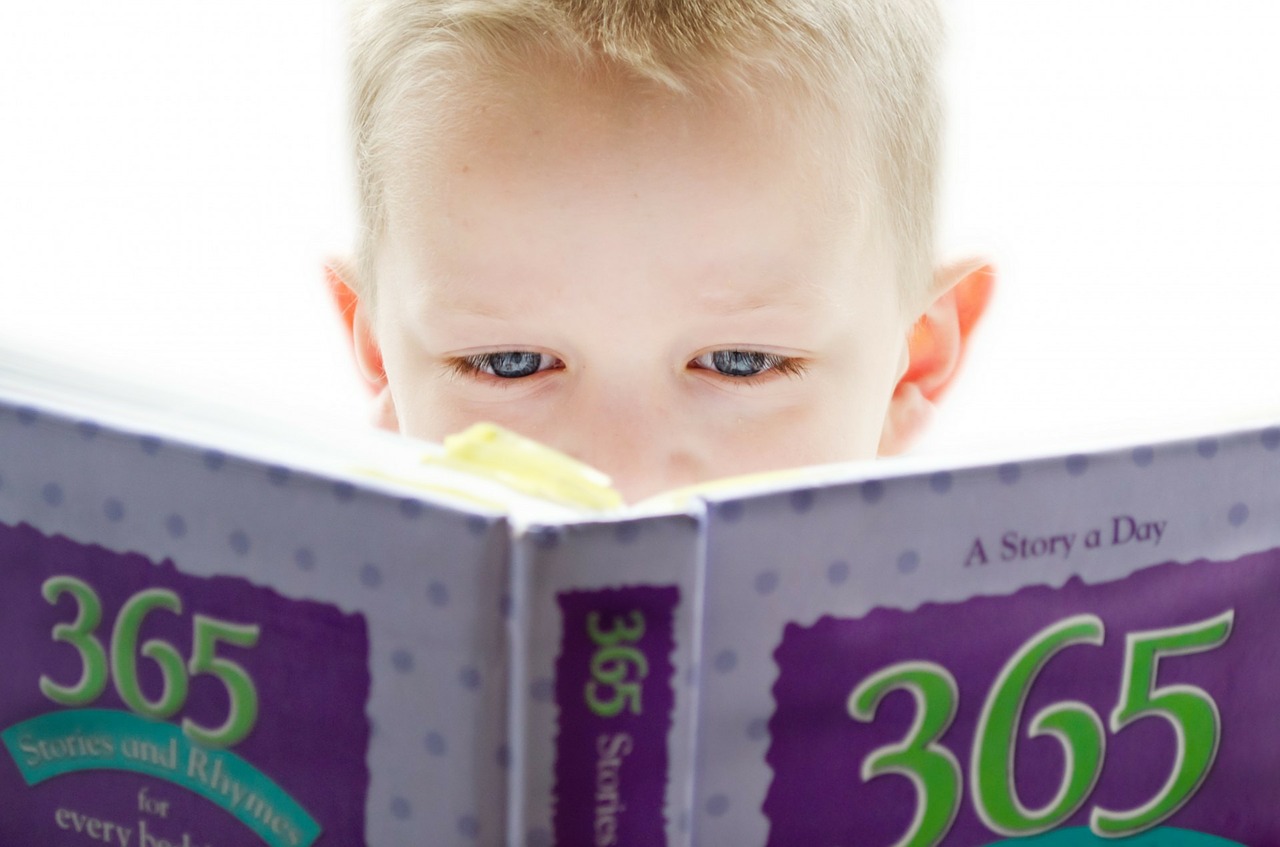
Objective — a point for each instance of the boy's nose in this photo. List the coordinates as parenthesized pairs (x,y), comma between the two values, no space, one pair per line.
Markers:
(634,436)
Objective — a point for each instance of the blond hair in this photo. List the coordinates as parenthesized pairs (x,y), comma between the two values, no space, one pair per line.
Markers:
(873,58)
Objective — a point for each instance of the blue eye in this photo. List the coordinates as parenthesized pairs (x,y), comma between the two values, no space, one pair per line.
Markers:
(511,364)
(738,363)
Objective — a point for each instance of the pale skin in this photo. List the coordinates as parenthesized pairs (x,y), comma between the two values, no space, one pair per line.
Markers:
(663,290)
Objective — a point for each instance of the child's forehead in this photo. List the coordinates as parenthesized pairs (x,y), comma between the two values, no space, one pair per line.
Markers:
(587,192)
(545,147)
(853,81)
(582,123)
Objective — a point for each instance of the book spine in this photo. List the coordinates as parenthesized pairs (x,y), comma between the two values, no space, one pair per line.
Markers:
(603,708)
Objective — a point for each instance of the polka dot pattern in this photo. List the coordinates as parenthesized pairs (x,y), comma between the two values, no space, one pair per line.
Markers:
(438,594)
(176,526)
(113,510)
(627,532)
(52,494)
(801,501)
(1207,448)
(435,744)
(1271,438)
(872,491)
(731,511)
(1077,464)
(766,582)
(400,808)
(304,558)
(1238,515)
(545,537)
(717,805)
(402,660)
(838,572)
(213,459)
(1143,456)
(725,661)
(1009,473)
(239,542)
(469,677)
(908,562)
(542,690)
(370,575)
(940,482)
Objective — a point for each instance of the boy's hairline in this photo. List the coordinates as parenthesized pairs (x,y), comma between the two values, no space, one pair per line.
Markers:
(461,62)
(848,194)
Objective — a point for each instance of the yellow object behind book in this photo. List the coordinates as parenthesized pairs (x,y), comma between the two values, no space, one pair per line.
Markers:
(527,466)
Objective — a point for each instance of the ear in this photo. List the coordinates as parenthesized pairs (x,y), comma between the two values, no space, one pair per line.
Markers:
(339,276)
(935,349)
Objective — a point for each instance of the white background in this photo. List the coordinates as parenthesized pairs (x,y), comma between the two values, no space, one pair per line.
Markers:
(172,176)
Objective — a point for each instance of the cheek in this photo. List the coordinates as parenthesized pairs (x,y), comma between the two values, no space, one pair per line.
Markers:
(829,432)
(433,406)
(429,410)
(418,390)
(845,422)
(816,429)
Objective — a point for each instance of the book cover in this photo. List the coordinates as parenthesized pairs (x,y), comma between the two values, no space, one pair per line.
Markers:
(209,649)
(212,639)
(1071,649)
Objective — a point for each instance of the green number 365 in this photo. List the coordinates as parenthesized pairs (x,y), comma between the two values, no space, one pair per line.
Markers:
(937,777)
(120,662)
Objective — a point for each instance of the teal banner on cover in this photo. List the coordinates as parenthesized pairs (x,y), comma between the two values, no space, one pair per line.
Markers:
(1083,837)
(73,740)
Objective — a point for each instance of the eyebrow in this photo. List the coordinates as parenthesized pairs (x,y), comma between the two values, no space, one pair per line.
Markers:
(774,291)
(456,296)
(739,303)
(471,308)
(783,287)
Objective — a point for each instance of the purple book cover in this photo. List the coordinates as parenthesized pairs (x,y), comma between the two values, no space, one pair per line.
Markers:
(143,706)
(613,689)
(1143,707)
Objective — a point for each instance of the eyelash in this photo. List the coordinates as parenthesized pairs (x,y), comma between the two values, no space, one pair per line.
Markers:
(475,367)
(776,365)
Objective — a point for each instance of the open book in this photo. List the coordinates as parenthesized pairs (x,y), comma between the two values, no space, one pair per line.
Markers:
(220,631)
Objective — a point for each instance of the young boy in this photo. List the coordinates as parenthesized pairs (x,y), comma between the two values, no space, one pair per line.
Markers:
(676,239)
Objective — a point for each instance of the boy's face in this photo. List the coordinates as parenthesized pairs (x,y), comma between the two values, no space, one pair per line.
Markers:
(670,292)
